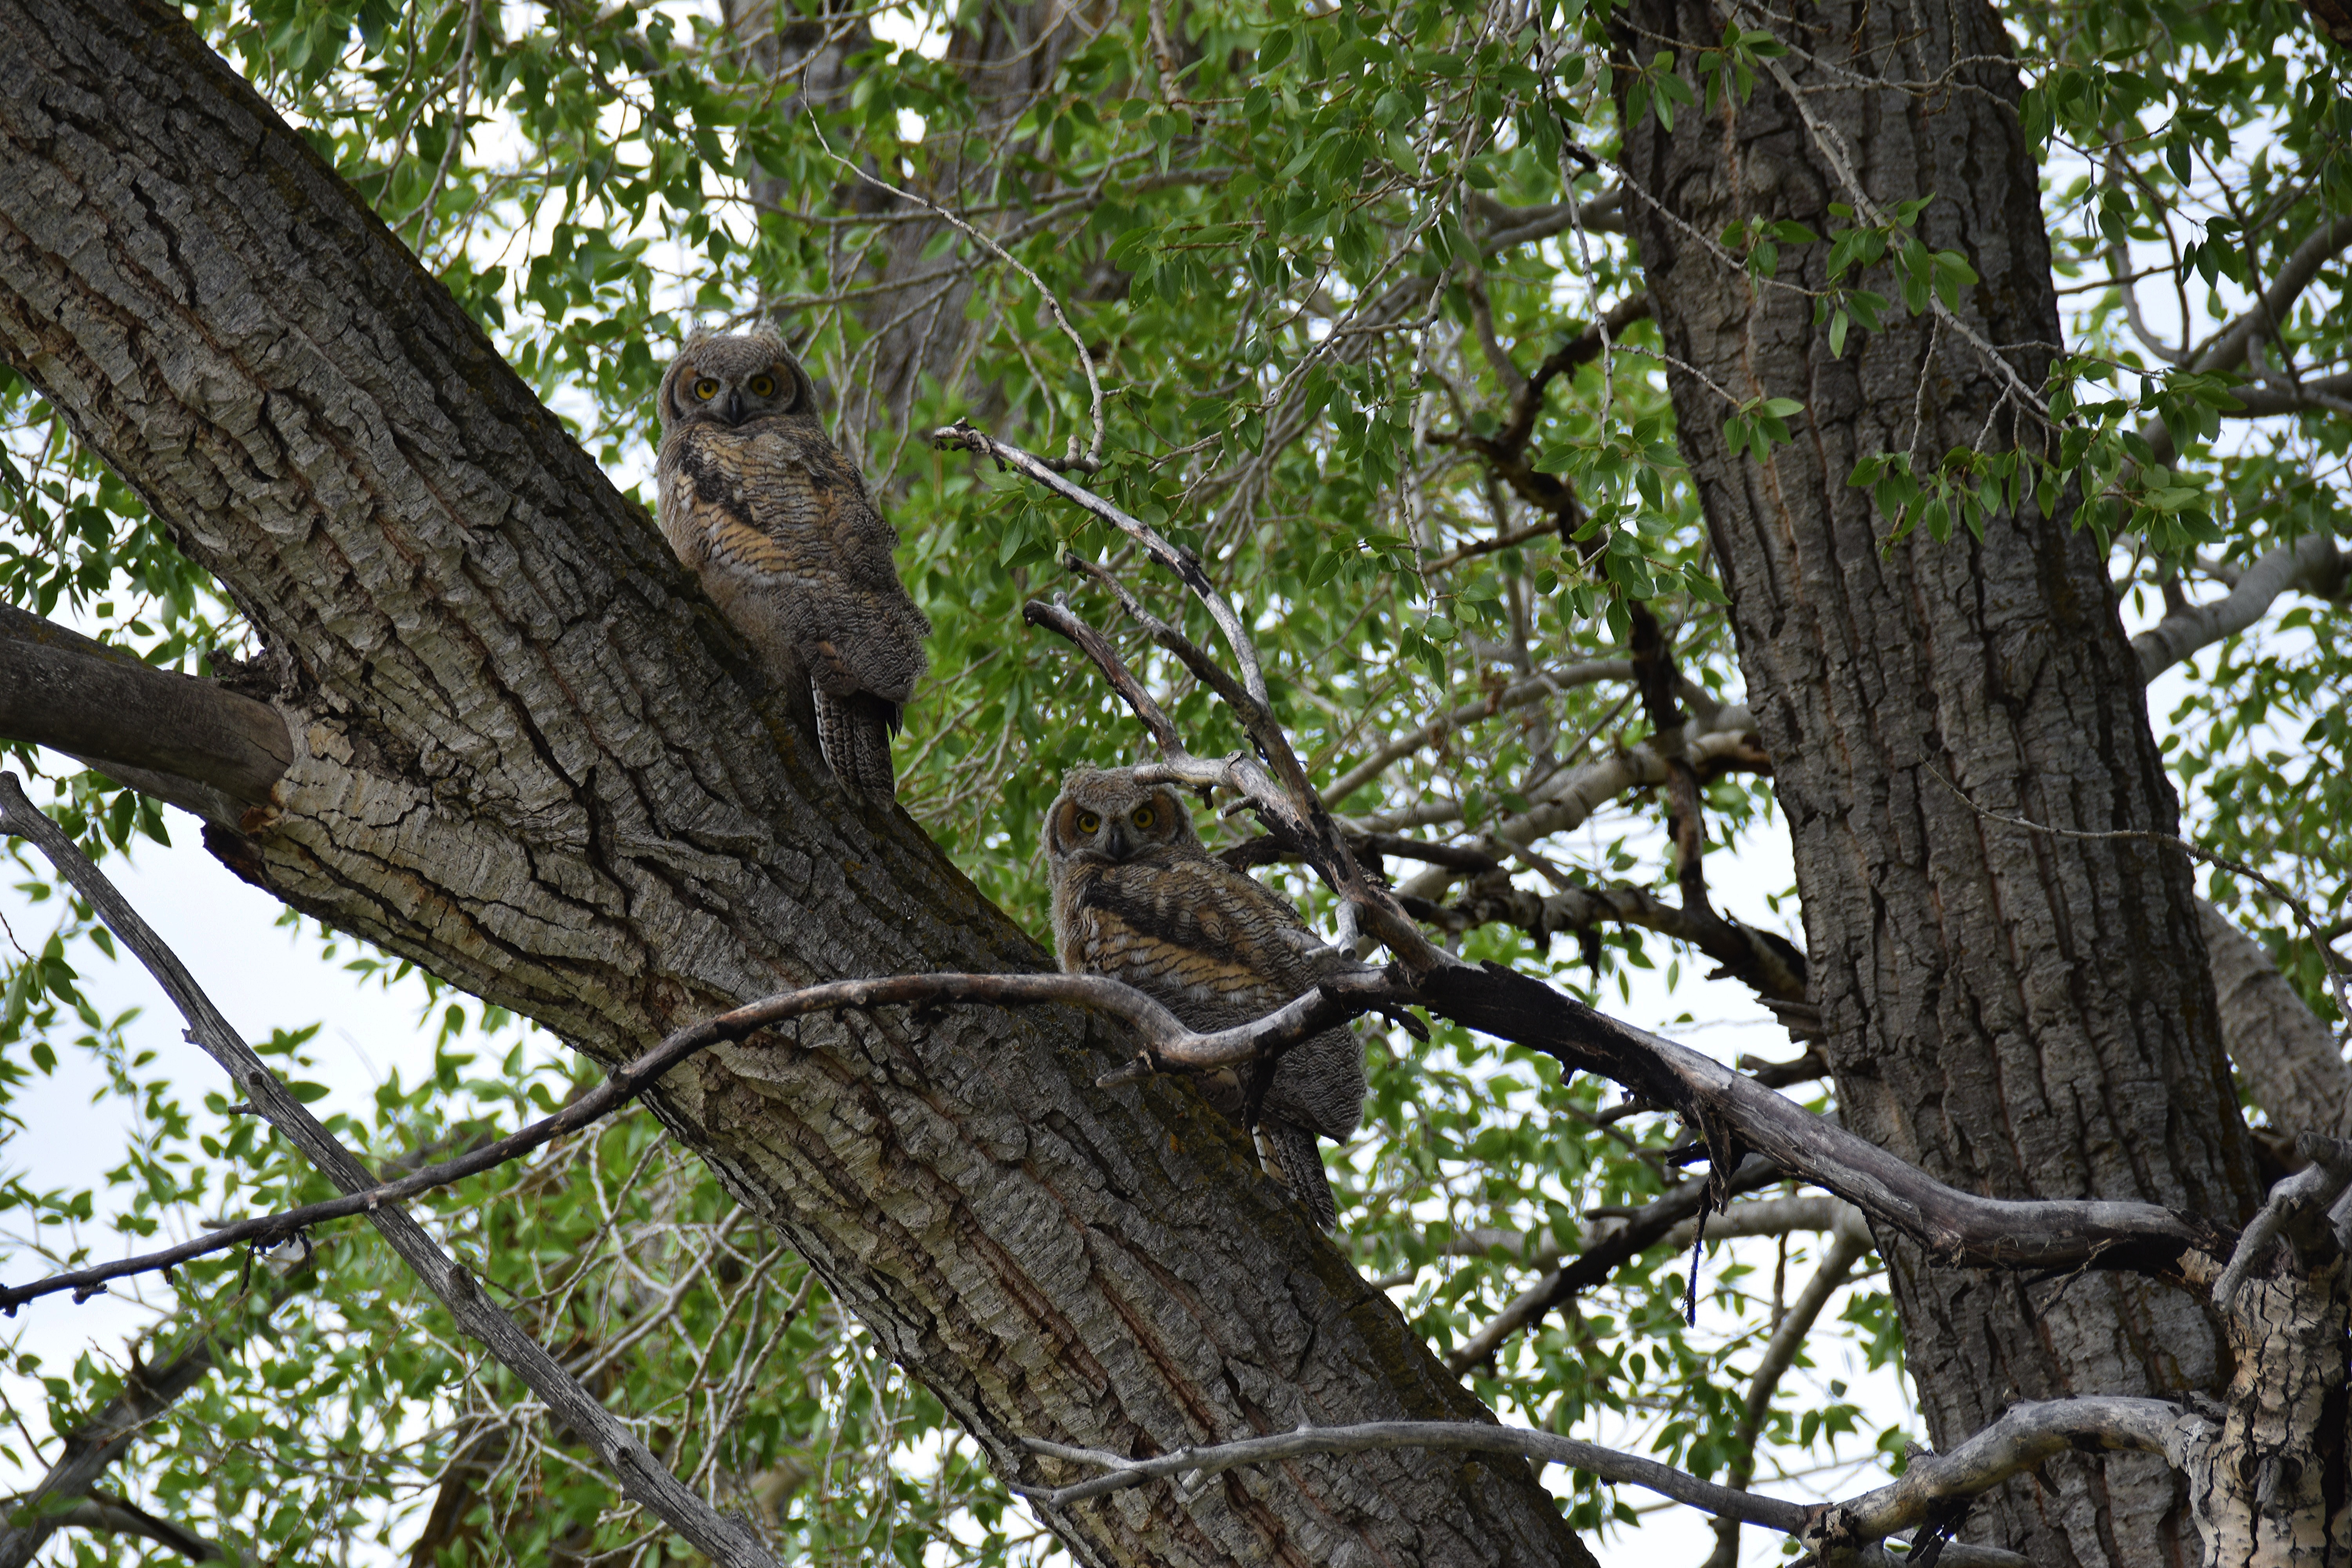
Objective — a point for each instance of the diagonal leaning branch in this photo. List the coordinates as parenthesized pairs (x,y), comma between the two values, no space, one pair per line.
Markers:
(642,1477)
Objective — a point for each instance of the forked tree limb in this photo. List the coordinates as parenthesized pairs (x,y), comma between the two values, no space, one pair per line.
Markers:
(2312,563)
(641,1475)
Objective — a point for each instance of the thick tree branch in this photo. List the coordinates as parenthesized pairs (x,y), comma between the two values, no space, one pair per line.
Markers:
(2312,565)
(1737,1116)
(641,1475)
(2287,1057)
(2023,1436)
(91,1448)
(113,1516)
(2315,395)
(192,742)
(1769,963)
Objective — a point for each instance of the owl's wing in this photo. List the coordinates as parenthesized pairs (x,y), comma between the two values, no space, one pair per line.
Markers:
(778,507)
(1212,943)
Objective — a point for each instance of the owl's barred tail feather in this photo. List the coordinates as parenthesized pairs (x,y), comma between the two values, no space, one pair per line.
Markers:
(855,732)
(1302,1169)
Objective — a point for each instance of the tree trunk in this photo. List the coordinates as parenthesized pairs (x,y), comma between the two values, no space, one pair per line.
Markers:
(530,757)
(2020,1015)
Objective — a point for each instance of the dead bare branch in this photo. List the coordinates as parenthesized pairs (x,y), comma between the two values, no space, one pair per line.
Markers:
(2020,1439)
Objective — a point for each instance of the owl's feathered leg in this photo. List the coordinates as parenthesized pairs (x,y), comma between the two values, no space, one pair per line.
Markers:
(855,732)
(1301,1169)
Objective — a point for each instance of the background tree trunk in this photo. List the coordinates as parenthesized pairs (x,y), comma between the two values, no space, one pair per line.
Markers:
(532,758)
(2019,1014)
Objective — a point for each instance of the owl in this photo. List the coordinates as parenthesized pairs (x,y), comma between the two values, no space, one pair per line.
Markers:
(761,506)
(1138,898)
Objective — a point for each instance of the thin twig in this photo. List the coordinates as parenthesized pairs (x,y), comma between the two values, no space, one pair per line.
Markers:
(1168,1044)
(1181,561)
(1091,463)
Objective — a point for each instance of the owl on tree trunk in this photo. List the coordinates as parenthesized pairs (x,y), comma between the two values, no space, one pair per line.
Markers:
(763,509)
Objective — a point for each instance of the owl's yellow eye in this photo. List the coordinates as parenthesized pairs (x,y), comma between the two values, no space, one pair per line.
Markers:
(1088,822)
(764,386)
(1141,816)
(705,390)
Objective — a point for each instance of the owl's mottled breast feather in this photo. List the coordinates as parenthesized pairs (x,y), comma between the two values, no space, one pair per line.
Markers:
(1191,935)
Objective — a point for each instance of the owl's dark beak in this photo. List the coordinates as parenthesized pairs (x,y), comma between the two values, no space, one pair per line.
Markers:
(734,407)
(1115,840)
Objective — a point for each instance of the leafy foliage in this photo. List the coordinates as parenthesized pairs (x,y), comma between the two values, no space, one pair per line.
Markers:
(1310,256)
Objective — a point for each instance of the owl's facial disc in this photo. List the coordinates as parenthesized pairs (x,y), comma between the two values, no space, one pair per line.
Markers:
(1091,838)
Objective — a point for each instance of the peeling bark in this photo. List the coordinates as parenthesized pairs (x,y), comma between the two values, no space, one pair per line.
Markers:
(2270,1484)
(2017,1014)
(530,756)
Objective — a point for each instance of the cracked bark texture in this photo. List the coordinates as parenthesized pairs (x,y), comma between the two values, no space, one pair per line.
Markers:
(530,757)
(2021,1015)
(2270,1478)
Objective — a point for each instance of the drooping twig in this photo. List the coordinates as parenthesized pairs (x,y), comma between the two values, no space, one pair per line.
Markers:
(1166,1044)
(1090,462)
(642,1477)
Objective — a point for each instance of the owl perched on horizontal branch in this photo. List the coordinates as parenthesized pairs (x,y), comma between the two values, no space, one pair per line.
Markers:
(1137,898)
(761,505)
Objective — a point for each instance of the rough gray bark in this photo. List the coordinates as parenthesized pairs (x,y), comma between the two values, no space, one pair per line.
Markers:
(2018,1015)
(192,742)
(2286,1057)
(530,756)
